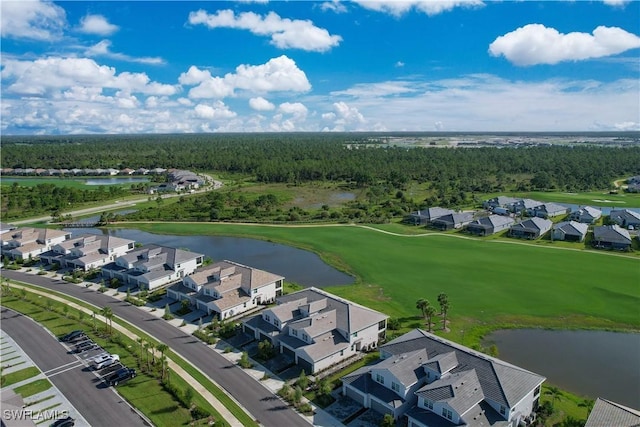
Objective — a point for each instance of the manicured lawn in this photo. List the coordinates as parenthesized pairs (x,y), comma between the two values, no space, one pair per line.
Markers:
(592,198)
(21,375)
(489,282)
(33,388)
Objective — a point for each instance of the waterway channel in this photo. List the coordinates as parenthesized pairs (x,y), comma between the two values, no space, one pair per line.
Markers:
(296,265)
(588,363)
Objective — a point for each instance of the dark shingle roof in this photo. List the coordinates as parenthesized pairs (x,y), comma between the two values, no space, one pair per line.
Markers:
(607,414)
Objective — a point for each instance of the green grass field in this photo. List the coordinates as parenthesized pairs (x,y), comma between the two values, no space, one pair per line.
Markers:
(490,283)
(621,200)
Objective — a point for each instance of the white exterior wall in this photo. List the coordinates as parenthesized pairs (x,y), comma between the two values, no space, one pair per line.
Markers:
(523,408)
(327,362)
(369,336)
(390,378)
(188,267)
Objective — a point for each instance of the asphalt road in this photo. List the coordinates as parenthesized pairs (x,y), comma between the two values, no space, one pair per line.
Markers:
(257,399)
(99,405)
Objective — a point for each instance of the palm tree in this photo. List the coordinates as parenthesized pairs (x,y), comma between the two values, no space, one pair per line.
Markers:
(555,393)
(445,309)
(146,347)
(141,342)
(153,347)
(163,361)
(430,311)
(107,313)
(422,305)
(587,403)
(442,300)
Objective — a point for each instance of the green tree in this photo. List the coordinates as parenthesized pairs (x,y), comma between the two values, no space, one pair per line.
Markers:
(429,312)
(422,305)
(107,313)
(555,393)
(388,421)
(303,380)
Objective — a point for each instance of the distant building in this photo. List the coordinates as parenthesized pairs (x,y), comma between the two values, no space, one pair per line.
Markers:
(586,215)
(489,225)
(531,228)
(611,237)
(24,243)
(424,217)
(88,251)
(625,218)
(570,231)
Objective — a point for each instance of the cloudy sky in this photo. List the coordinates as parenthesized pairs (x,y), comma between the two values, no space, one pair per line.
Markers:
(253,66)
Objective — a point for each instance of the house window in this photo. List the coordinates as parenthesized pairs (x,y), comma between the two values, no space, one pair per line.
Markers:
(395,387)
(355,334)
(341,352)
(294,332)
(278,285)
(380,378)
(503,410)
(382,324)
(305,337)
(536,391)
(178,266)
(245,305)
(267,318)
(447,413)
(255,291)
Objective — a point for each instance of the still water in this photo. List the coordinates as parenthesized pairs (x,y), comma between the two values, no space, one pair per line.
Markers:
(114,181)
(588,363)
(296,265)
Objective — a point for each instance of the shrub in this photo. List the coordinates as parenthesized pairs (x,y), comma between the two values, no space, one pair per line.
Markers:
(244,361)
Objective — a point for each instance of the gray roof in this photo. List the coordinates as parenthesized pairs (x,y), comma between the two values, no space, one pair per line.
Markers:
(502,201)
(626,214)
(153,254)
(432,213)
(443,362)
(606,414)
(456,218)
(500,381)
(540,225)
(492,221)
(572,228)
(611,233)
(407,368)
(461,391)
(552,207)
(481,415)
(361,379)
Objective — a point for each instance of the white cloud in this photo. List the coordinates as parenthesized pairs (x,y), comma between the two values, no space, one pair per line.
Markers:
(536,44)
(277,75)
(45,76)
(296,109)
(285,33)
(399,64)
(616,3)
(216,111)
(37,20)
(345,118)
(334,6)
(261,104)
(430,7)
(103,48)
(97,24)
(387,88)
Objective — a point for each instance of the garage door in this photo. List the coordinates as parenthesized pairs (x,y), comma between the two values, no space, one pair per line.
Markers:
(355,395)
(306,365)
(379,407)
(286,350)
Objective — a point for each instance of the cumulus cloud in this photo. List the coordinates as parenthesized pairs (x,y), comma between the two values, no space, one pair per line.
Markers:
(334,6)
(386,88)
(47,75)
(536,44)
(616,3)
(103,48)
(213,112)
(429,7)
(98,25)
(296,109)
(285,33)
(261,104)
(277,75)
(37,20)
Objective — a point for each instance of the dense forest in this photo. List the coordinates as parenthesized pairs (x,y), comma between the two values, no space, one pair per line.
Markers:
(299,158)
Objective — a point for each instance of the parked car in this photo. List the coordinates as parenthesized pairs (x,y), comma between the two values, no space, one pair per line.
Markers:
(120,376)
(72,335)
(104,361)
(64,422)
(85,346)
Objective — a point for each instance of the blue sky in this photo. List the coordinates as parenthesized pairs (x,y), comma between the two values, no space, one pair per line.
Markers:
(260,66)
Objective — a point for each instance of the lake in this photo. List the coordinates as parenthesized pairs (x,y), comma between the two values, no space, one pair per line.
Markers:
(296,265)
(587,363)
(115,181)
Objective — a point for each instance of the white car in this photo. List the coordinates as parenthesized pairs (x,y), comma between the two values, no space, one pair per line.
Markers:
(104,361)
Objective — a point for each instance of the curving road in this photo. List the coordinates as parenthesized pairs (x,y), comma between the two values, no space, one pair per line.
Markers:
(257,399)
(99,405)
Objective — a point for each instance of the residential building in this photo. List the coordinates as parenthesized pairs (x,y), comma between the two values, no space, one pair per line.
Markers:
(499,202)
(570,231)
(531,228)
(436,382)
(523,205)
(452,221)
(88,251)
(26,242)
(318,329)
(625,218)
(586,215)
(228,289)
(606,413)
(611,237)
(489,225)
(152,266)
(425,217)
(548,210)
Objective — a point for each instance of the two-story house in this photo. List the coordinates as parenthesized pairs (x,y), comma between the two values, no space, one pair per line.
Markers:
(152,266)
(436,382)
(87,251)
(227,288)
(26,242)
(318,329)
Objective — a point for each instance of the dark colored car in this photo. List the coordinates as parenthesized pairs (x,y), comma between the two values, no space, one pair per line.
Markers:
(85,346)
(72,335)
(64,422)
(120,376)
